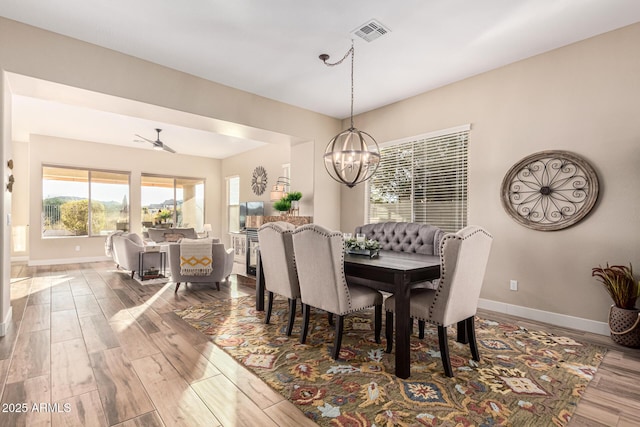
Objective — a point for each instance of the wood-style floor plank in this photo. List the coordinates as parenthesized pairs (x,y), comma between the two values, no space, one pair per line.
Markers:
(133,340)
(113,309)
(32,356)
(71,371)
(65,326)
(86,305)
(28,395)
(184,357)
(246,381)
(123,395)
(177,403)
(36,318)
(83,410)
(97,333)
(285,414)
(231,406)
(151,419)
(62,300)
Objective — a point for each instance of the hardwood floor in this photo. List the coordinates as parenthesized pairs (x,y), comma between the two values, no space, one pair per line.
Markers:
(89,346)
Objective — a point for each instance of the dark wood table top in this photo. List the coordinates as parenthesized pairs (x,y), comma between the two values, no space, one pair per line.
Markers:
(393,260)
(380,272)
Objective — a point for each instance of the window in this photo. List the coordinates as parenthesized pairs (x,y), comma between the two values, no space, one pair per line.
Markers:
(81,202)
(422,180)
(233,203)
(168,201)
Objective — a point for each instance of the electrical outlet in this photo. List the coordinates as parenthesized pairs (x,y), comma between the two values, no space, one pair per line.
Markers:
(513,284)
(77,248)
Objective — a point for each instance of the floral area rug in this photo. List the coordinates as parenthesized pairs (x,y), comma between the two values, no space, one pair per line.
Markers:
(524,378)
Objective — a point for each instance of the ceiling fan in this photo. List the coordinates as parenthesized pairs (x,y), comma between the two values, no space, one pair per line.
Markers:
(157,144)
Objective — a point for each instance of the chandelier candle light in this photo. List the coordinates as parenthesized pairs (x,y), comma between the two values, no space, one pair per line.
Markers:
(352,156)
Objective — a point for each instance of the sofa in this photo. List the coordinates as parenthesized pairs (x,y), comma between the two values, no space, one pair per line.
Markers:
(170,235)
(222,263)
(404,236)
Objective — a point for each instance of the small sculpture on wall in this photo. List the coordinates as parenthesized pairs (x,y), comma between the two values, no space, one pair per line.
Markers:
(549,190)
(259,180)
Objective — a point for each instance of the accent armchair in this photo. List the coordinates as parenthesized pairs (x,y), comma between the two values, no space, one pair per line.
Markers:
(222,264)
(126,248)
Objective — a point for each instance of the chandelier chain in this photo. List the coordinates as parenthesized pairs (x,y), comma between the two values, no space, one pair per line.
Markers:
(333,64)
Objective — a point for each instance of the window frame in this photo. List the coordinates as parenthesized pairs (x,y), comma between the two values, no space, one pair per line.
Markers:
(89,171)
(443,133)
(175,179)
(228,204)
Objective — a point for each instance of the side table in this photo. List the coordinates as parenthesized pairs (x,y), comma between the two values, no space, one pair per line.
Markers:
(152,274)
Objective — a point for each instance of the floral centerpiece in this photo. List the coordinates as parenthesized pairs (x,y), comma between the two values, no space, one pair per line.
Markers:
(362,247)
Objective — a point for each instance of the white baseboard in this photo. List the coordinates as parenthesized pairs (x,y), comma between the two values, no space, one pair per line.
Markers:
(557,319)
(24,258)
(4,326)
(32,262)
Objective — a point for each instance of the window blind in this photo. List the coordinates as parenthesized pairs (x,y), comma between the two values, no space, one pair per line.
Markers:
(422,180)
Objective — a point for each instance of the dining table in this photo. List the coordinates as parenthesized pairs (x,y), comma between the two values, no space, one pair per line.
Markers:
(390,271)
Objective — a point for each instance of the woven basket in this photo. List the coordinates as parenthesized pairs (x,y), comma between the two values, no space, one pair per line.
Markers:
(625,326)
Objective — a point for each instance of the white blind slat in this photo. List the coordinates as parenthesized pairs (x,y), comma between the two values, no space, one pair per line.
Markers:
(422,180)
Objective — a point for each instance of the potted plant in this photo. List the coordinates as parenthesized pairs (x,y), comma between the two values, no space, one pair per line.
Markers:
(164,215)
(624,289)
(294,197)
(283,205)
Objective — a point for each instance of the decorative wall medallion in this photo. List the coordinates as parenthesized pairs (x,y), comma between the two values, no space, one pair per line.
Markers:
(259,180)
(549,190)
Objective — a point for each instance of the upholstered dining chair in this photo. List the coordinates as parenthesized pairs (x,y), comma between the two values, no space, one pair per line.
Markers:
(278,266)
(320,263)
(463,257)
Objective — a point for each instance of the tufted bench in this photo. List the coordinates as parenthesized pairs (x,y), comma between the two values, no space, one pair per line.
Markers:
(404,236)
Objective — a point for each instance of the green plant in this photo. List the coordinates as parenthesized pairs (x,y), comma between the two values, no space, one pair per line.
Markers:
(353,243)
(164,215)
(282,205)
(294,196)
(74,216)
(619,282)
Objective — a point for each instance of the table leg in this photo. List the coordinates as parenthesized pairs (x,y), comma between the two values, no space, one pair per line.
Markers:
(140,266)
(463,336)
(259,282)
(403,330)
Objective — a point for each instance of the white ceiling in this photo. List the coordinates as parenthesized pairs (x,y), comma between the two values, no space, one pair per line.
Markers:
(271,48)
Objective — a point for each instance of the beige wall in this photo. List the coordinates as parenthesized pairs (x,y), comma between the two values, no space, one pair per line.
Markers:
(271,158)
(65,152)
(583,98)
(299,156)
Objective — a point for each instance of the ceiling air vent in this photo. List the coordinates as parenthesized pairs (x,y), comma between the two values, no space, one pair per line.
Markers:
(371,30)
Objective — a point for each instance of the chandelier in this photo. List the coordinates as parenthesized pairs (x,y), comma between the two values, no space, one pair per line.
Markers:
(352,156)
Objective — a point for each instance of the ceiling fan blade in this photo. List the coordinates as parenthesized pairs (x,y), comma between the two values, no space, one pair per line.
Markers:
(157,144)
(146,139)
